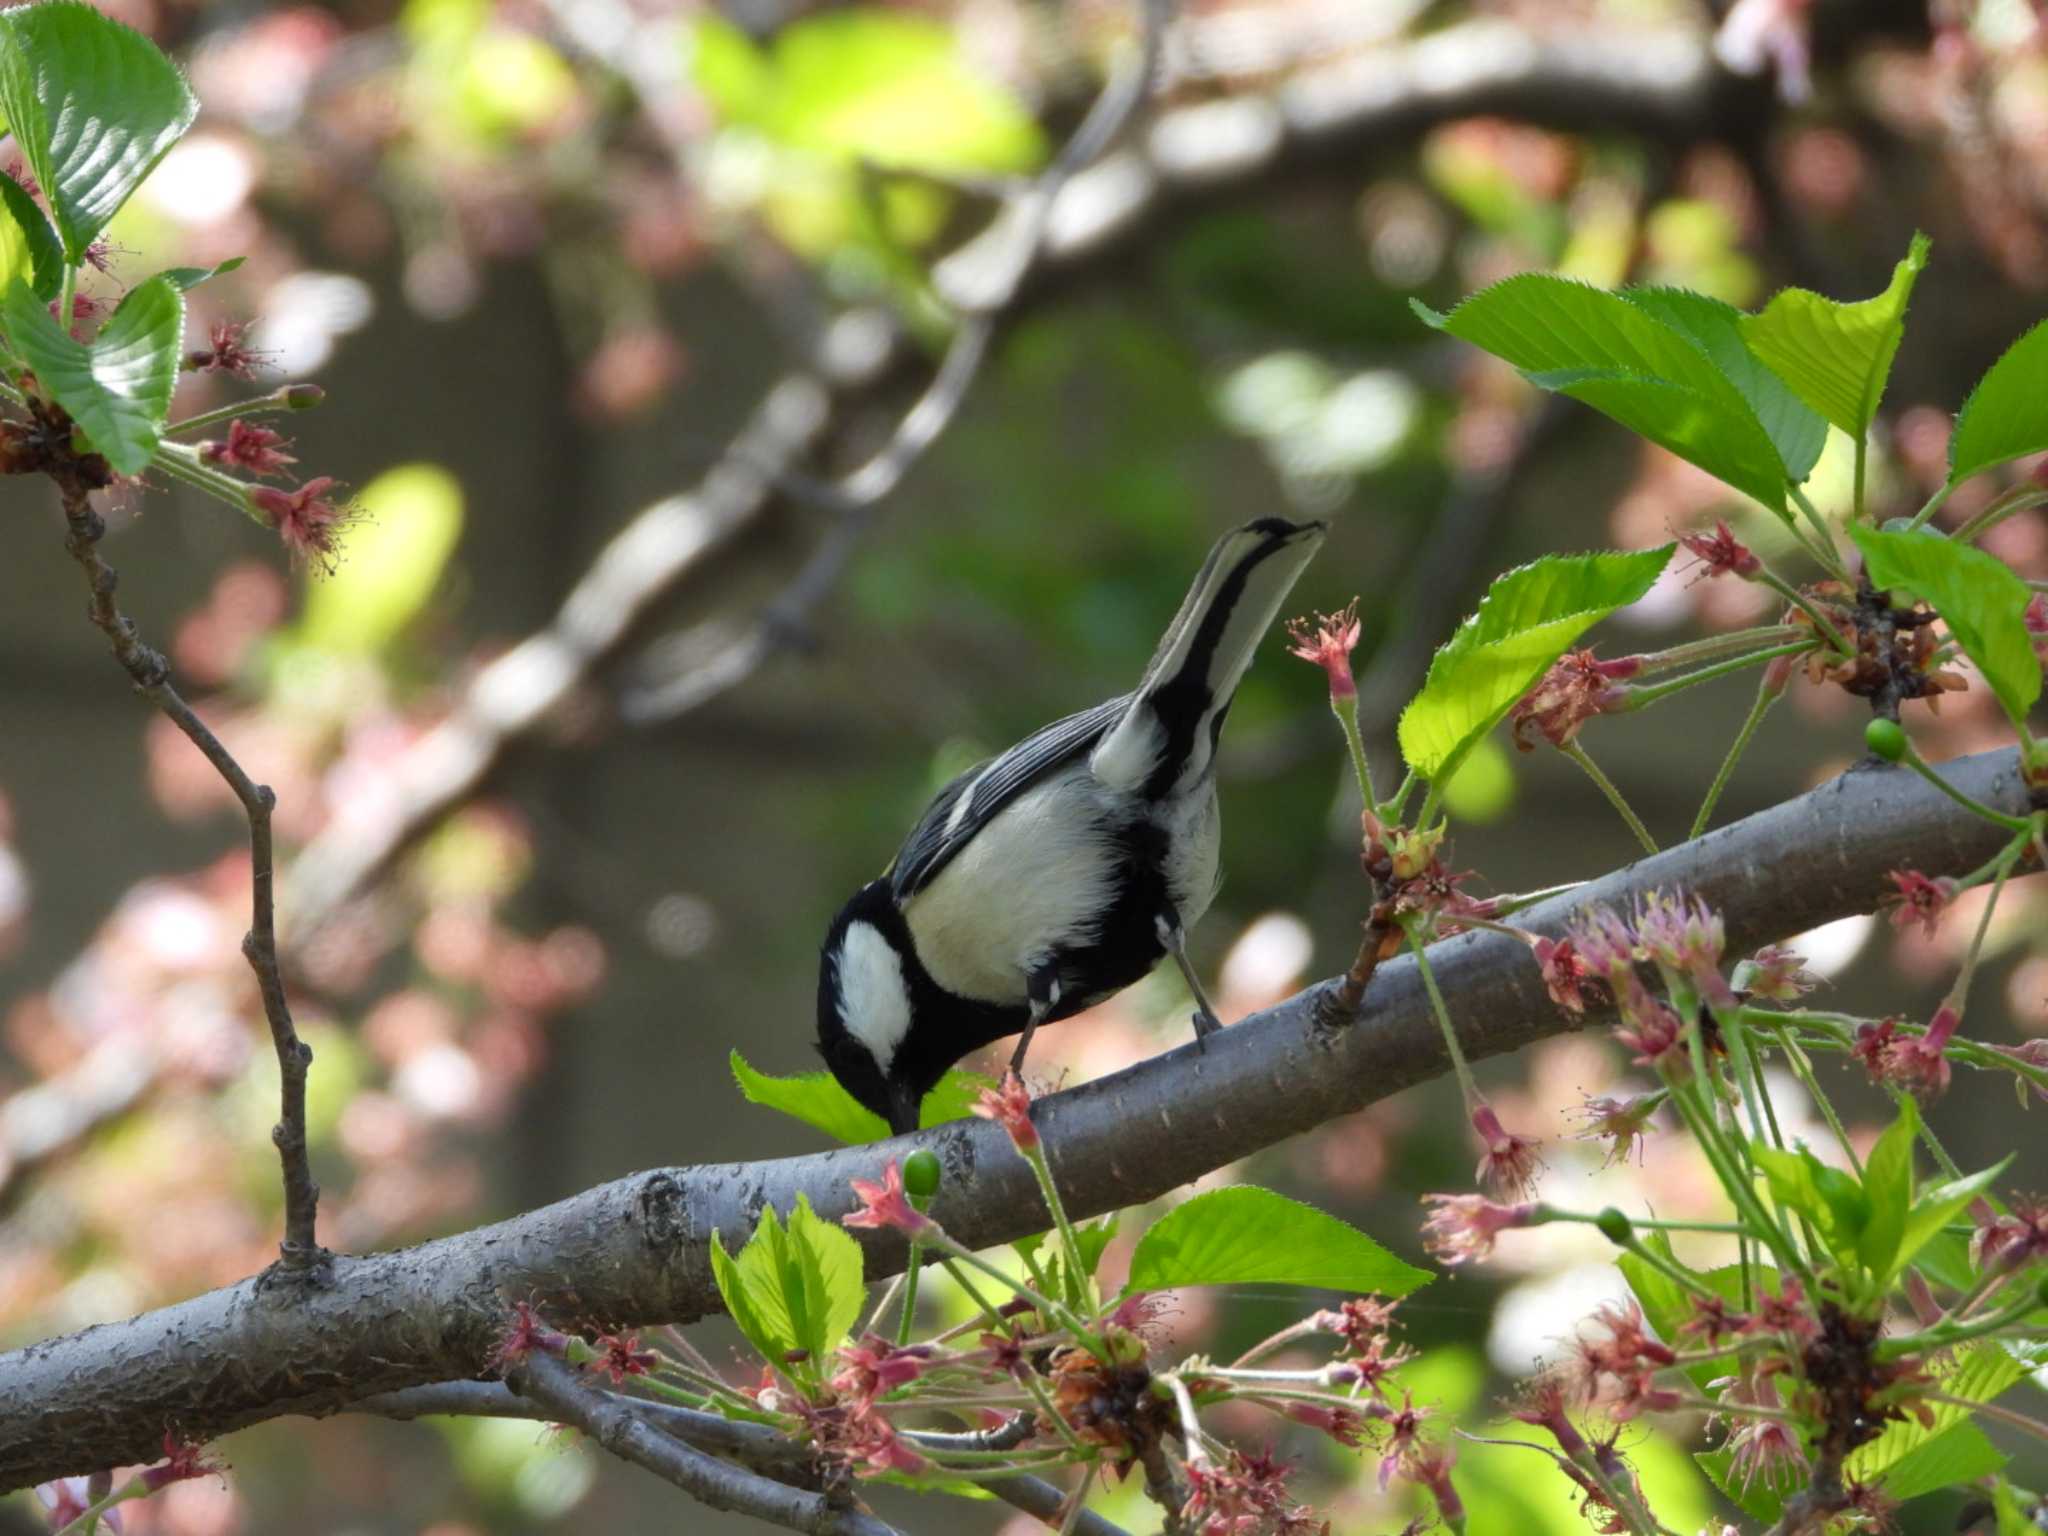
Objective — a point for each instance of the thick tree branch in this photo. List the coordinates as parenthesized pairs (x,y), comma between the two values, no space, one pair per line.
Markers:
(151,676)
(635,1250)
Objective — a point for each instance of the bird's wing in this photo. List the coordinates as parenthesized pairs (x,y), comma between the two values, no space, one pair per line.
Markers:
(971,801)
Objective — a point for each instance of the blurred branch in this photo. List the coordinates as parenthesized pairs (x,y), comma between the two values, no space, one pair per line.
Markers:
(151,675)
(613,1423)
(1660,81)
(755,1445)
(637,1249)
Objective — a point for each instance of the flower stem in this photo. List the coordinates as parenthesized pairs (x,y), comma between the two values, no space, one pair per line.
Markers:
(2018,500)
(1639,698)
(274,401)
(1822,623)
(1960,992)
(1714,647)
(1933,505)
(1443,1019)
(1766,696)
(1919,765)
(1346,711)
(1824,549)
(1577,754)
(910,1272)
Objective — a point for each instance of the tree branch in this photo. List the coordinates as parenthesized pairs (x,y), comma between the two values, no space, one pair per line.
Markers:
(636,1250)
(612,1422)
(151,676)
(756,1445)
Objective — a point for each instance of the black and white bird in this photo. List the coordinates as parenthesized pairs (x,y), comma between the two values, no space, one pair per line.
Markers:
(1061,871)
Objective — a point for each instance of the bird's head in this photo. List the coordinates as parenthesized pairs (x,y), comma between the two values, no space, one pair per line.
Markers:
(866,1006)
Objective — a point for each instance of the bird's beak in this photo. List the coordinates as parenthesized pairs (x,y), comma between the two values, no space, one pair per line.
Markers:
(905,1102)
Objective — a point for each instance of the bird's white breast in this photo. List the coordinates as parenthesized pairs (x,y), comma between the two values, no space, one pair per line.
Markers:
(874,1002)
(1030,882)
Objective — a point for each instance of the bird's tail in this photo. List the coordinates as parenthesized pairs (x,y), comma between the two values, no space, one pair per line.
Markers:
(1167,738)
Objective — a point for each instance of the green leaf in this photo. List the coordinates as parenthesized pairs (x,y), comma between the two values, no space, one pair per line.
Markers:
(1796,430)
(1888,1183)
(793,1290)
(188,278)
(1978,597)
(1836,357)
(1245,1235)
(118,389)
(1957,1455)
(2014,1519)
(1528,618)
(411,518)
(1833,1201)
(817,1099)
(93,105)
(28,246)
(729,68)
(1981,1374)
(2007,413)
(1625,360)
(1938,1206)
(1761,1502)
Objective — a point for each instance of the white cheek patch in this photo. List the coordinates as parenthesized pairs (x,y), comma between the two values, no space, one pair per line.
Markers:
(874,1004)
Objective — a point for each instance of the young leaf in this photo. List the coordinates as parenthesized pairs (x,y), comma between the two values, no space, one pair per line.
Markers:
(93,106)
(1795,429)
(1245,1235)
(119,388)
(1983,603)
(188,278)
(1888,1184)
(1981,1374)
(1836,356)
(1938,1206)
(1614,354)
(1528,618)
(793,1290)
(1833,1201)
(28,246)
(2005,415)
(817,1099)
(1954,1457)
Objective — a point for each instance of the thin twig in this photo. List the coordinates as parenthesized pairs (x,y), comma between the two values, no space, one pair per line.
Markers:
(151,676)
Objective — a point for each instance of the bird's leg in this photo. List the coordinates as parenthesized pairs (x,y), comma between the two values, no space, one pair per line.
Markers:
(1042,986)
(1174,940)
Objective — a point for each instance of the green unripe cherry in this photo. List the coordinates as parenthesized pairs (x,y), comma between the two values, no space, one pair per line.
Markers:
(1615,1227)
(1886,738)
(921,1171)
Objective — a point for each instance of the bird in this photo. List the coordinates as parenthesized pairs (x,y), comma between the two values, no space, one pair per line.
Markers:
(1061,871)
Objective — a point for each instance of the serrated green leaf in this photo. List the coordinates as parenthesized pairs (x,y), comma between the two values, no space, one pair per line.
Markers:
(188,278)
(2006,415)
(411,518)
(1245,1235)
(1888,1183)
(1831,1199)
(1959,1454)
(817,1099)
(794,1290)
(1614,354)
(117,389)
(28,246)
(1836,357)
(1938,1206)
(94,105)
(1978,597)
(1981,1374)
(1528,618)
(1795,429)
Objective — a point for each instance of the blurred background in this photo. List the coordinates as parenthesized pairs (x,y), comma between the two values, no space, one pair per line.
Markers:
(607,704)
